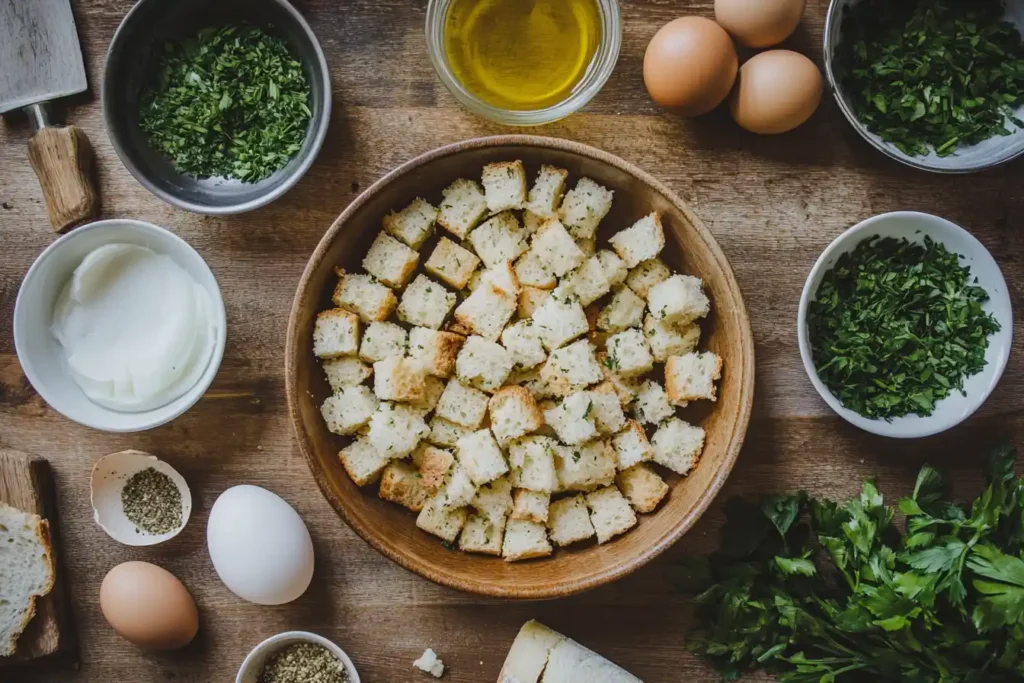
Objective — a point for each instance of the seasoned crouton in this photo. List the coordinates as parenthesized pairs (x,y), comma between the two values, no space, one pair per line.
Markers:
(435,350)
(503,277)
(383,340)
(514,414)
(530,299)
(346,372)
(451,263)
(642,487)
(482,535)
(433,465)
(494,500)
(640,242)
(425,303)
(335,333)
(588,245)
(522,340)
(499,239)
(569,520)
(628,354)
(530,505)
(607,410)
(624,311)
(486,311)
(445,433)
(524,540)
(610,513)
(556,249)
(483,364)
(631,446)
(572,419)
(413,224)
(475,280)
(462,208)
(399,379)
(614,269)
(364,296)
(479,454)
(362,461)
(390,261)
(588,282)
(625,387)
(465,406)
(532,464)
(677,445)
(646,275)
(559,320)
(348,410)
(692,377)
(585,206)
(396,429)
(586,467)
(679,299)
(531,272)
(669,339)
(652,404)
(546,194)
(401,484)
(433,388)
(571,368)
(458,489)
(441,521)
(504,185)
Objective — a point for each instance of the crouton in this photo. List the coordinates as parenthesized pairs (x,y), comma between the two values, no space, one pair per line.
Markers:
(546,194)
(435,350)
(465,406)
(514,414)
(556,249)
(588,245)
(458,489)
(413,224)
(628,354)
(530,380)
(669,339)
(692,377)
(401,484)
(646,275)
(624,311)
(482,535)
(631,446)
(571,368)
(390,261)
(530,505)
(522,340)
(362,461)
(452,264)
(642,487)
(433,388)
(588,282)
(433,465)
(559,320)
(652,404)
(348,410)
(364,296)
(610,513)
(569,521)
(396,429)
(572,419)
(531,272)
(494,500)
(499,239)
(532,222)
(399,379)
(462,208)
(383,340)
(441,521)
(607,410)
(625,387)
(642,241)
(530,299)
(445,433)
(474,280)
(524,540)
(425,303)
(585,206)
(679,299)
(504,185)
(479,454)
(586,467)
(614,269)
(346,372)
(335,333)
(677,445)
(502,277)
(483,364)
(486,311)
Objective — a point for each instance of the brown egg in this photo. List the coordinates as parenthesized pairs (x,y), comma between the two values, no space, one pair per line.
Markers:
(759,23)
(148,606)
(776,91)
(690,66)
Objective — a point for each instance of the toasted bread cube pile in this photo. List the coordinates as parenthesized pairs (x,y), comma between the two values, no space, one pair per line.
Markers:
(512,379)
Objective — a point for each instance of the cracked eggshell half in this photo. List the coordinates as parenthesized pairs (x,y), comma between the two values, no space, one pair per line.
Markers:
(109,476)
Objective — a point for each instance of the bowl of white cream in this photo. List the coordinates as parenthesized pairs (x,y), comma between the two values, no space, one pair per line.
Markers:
(120,325)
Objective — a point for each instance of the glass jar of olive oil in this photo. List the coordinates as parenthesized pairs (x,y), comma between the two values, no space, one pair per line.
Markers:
(524,62)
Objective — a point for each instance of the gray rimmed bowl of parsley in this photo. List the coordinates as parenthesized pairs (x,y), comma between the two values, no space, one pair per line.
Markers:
(905,325)
(216,107)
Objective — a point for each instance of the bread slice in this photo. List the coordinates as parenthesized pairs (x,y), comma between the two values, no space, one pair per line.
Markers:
(522,339)
(571,368)
(559,320)
(479,454)
(494,500)
(26,556)
(483,364)
(445,433)
(586,467)
(532,272)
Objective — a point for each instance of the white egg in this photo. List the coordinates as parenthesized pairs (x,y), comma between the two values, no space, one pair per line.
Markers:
(259,546)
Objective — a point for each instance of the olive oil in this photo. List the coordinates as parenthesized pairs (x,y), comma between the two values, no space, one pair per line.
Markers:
(522,55)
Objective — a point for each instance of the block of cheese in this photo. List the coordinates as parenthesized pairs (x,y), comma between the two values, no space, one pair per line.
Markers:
(541,655)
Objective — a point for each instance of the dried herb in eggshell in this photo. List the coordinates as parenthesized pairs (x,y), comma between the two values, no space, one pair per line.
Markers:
(152,502)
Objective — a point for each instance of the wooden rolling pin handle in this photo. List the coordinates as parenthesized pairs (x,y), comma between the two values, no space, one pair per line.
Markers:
(63,160)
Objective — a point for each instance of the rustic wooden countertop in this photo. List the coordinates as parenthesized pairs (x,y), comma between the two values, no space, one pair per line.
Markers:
(772,202)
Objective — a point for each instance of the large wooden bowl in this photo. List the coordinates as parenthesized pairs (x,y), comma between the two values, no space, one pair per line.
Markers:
(691,249)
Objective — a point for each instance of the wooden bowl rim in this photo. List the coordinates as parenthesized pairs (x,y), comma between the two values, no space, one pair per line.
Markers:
(633,562)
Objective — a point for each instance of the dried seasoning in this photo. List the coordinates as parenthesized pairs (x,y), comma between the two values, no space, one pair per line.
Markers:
(304,663)
(152,502)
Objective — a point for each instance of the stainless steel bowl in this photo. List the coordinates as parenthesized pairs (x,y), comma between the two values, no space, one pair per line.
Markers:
(988,154)
(129,63)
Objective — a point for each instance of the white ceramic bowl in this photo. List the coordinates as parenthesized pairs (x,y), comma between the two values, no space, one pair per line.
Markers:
(253,664)
(41,356)
(915,226)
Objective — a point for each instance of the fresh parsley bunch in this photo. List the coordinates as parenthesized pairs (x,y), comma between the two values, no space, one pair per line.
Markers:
(814,591)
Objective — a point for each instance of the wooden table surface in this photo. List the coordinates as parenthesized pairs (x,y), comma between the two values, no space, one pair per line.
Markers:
(772,202)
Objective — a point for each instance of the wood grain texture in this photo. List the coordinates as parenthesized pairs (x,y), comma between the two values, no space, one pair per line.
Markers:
(773,204)
(63,161)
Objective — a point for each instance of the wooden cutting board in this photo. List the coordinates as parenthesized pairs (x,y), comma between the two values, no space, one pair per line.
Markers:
(26,483)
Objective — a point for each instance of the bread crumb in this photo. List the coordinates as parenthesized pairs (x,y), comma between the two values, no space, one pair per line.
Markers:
(430,663)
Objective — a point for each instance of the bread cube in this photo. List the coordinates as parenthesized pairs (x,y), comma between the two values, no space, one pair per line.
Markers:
(628,354)
(514,414)
(610,513)
(479,454)
(346,372)
(522,340)
(494,500)
(642,241)
(362,461)
(475,280)
(413,224)
(626,387)
(440,520)
(572,419)
(458,489)
(436,351)
(586,467)
(692,377)
(499,239)
(532,221)
(614,269)
(680,299)
(546,194)
(588,282)
(390,261)
(642,487)
(652,406)
(433,465)
(670,339)
(348,410)
(364,296)
(588,245)
(396,429)
(462,208)
(383,340)
(556,249)
(425,303)
(531,272)
(483,364)
(486,311)
(504,185)
(335,333)
(624,311)
(532,464)
(571,368)
(502,277)
(452,264)
(584,207)
(482,535)
(445,433)
(530,380)
(434,387)
(399,379)
(530,505)
(524,540)
(559,320)
(465,406)
(677,445)
(631,446)
(646,275)
(606,409)
(401,484)
(569,521)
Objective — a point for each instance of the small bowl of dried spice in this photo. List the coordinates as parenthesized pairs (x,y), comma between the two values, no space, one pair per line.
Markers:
(216,107)
(138,499)
(297,657)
